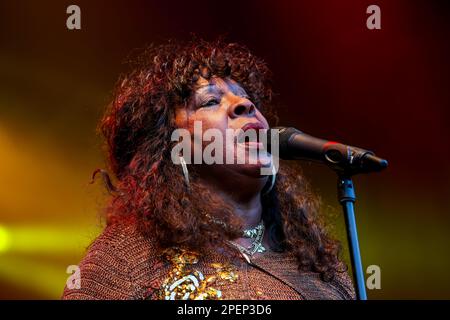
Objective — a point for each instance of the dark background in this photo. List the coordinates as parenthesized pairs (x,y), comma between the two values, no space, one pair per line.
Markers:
(387,90)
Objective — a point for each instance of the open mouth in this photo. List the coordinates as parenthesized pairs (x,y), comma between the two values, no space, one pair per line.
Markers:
(250,135)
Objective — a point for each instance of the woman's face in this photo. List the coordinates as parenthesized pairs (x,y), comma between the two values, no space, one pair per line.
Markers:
(223,104)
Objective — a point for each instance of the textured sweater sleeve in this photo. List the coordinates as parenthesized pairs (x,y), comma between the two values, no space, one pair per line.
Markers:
(104,271)
(345,285)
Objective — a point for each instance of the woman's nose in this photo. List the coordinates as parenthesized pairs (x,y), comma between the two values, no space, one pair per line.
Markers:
(242,108)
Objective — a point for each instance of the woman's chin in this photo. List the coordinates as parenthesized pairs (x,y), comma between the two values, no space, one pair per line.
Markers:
(250,170)
(252,154)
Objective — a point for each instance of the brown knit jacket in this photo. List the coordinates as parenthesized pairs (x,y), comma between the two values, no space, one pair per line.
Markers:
(123,264)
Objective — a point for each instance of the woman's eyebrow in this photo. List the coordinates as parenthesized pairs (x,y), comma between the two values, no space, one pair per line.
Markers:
(215,89)
(205,90)
(209,88)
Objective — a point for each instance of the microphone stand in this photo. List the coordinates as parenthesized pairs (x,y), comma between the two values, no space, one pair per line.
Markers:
(347,197)
(346,161)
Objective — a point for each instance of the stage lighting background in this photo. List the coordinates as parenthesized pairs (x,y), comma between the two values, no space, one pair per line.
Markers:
(384,89)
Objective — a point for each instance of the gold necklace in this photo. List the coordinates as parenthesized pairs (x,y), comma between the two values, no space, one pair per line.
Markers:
(257,235)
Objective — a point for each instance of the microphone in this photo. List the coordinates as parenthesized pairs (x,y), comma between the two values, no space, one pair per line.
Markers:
(296,145)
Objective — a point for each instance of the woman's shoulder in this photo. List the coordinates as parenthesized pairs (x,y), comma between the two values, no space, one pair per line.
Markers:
(344,284)
(116,264)
(310,284)
(121,235)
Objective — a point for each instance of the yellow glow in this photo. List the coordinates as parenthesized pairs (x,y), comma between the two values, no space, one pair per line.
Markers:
(44,239)
(50,210)
(5,241)
(24,252)
(46,279)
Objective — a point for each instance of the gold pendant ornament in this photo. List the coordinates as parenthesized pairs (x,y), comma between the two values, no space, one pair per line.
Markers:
(186,283)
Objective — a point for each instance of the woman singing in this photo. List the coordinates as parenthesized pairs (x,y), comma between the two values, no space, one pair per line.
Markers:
(186,230)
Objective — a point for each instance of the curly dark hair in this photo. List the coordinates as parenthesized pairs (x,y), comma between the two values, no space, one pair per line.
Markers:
(137,127)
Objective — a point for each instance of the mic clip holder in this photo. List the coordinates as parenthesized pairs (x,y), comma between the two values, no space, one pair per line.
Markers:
(349,161)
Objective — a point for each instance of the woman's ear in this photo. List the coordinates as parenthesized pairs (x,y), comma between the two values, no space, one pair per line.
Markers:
(181,119)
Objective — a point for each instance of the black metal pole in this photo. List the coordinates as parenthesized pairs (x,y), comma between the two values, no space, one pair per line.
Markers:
(346,196)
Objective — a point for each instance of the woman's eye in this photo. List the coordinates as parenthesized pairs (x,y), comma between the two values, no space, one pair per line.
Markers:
(210,103)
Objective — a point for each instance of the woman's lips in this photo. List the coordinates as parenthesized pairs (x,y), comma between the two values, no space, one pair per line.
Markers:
(253,125)
(251,140)
(252,144)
